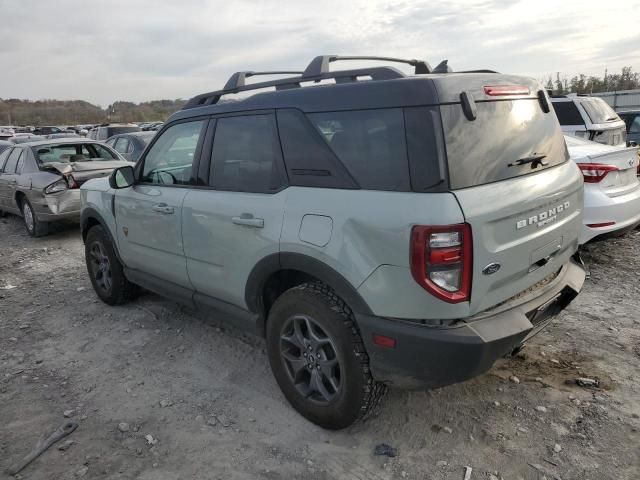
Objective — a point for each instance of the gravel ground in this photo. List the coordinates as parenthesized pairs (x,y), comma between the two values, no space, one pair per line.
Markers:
(205,394)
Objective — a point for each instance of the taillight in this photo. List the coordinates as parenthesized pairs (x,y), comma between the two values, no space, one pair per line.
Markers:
(595,172)
(500,90)
(71,181)
(441,260)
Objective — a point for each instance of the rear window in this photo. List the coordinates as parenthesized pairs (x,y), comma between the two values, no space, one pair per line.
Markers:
(501,143)
(67,153)
(598,110)
(568,113)
(370,143)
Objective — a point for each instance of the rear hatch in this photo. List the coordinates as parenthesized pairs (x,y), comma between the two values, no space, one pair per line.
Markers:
(508,169)
(606,126)
(614,170)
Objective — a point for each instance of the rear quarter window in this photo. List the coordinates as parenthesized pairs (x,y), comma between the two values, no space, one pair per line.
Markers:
(567,113)
(370,143)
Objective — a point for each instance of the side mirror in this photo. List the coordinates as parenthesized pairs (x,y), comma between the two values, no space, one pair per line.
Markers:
(122,177)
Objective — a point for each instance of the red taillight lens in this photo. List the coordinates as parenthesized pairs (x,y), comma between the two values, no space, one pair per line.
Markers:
(595,172)
(441,260)
(500,90)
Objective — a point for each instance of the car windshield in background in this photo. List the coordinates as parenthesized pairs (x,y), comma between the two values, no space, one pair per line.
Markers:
(146,137)
(567,113)
(599,111)
(73,152)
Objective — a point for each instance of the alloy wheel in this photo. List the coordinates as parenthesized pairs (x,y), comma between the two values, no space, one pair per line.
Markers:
(311,359)
(27,213)
(100,266)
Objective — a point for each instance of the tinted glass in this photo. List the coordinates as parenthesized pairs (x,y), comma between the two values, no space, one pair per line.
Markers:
(567,113)
(370,143)
(246,155)
(488,148)
(635,126)
(598,110)
(170,159)
(309,160)
(12,161)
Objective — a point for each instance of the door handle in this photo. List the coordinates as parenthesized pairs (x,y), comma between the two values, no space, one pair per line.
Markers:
(248,220)
(162,208)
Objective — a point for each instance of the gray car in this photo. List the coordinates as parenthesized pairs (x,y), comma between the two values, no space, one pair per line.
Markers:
(382,230)
(40,181)
(131,145)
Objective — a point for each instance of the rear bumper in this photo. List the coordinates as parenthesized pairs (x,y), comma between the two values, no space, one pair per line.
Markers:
(624,210)
(426,356)
(59,206)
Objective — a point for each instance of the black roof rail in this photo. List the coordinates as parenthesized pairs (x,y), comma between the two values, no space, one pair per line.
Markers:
(320,64)
(238,79)
(236,82)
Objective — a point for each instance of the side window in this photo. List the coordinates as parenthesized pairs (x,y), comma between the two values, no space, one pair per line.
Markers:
(635,126)
(170,159)
(12,161)
(567,113)
(122,145)
(111,142)
(246,155)
(3,158)
(370,143)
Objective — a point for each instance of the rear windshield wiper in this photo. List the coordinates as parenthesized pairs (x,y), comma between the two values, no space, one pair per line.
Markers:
(534,160)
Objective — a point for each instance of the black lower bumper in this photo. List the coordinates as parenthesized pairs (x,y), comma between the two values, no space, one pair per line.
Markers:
(427,356)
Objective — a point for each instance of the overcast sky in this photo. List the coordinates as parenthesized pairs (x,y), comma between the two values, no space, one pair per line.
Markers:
(137,50)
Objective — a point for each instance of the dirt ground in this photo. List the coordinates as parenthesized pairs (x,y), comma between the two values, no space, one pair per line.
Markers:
(205,394)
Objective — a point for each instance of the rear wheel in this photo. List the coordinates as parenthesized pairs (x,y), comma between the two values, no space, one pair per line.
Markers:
(105,270)
(318,358)
(34,227)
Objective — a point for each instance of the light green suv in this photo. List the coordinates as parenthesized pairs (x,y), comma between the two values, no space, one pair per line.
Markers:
(382,229)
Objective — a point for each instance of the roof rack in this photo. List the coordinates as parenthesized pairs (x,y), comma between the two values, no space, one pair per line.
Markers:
(313,73)
(320,65)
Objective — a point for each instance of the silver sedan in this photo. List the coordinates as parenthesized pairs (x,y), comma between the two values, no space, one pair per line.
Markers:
(40,181)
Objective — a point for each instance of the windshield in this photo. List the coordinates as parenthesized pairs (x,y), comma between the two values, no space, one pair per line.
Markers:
(599,111)
(72,152)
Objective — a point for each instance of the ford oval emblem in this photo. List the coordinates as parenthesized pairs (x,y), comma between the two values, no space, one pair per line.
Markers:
(491,268)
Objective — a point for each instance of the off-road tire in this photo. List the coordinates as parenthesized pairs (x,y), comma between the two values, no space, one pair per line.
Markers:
(359,393)
(120,290)
(37,228)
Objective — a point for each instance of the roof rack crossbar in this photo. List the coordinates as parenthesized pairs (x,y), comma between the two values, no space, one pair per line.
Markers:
(238,79)
(236,84)
(320,64)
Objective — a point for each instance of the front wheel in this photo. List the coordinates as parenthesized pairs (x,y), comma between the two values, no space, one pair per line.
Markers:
(318,358)
(105,270)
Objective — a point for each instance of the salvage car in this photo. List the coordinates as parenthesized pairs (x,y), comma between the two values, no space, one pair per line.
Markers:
(131,145)
(590,118)
(40,180)
(381,230)
(107,130)
(611,187)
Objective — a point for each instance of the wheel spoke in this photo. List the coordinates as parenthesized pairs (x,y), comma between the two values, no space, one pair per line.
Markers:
(297,363)
(318,385)
(297,330)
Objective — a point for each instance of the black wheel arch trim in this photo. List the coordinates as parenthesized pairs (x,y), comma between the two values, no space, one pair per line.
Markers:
(302,263)
(88,214)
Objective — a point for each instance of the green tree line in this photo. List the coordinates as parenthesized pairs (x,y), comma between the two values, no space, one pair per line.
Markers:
(627,79)
(76,112)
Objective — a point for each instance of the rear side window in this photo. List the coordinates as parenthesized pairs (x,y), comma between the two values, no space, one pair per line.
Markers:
(12,161)
(246,155)
(3,158)
(635,126)
(506,140)
(370,143)
(567,113)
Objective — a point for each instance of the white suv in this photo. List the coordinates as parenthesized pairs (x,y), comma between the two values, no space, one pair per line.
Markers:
(590,118)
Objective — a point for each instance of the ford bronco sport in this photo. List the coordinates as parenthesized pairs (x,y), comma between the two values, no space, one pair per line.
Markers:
(377,228)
